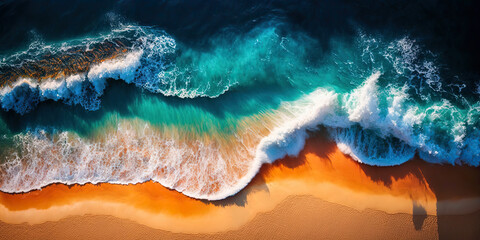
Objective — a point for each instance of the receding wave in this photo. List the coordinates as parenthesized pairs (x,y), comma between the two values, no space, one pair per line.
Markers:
(381,100)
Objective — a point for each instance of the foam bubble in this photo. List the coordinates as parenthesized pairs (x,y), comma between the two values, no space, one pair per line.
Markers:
(362,104)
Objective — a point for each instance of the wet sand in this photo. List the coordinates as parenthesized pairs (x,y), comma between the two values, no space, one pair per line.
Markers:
(322,192)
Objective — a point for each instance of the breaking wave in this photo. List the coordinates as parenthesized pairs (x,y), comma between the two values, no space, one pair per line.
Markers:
(122,54)
(382,101)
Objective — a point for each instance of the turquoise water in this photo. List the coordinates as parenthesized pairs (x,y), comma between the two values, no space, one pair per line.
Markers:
(382,99)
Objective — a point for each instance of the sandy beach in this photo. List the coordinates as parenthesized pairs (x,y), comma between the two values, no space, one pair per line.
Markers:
(322,192)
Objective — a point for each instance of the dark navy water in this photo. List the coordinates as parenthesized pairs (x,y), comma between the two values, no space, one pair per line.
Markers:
(448,26)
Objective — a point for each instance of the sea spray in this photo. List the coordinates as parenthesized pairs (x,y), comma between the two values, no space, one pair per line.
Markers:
(211,117)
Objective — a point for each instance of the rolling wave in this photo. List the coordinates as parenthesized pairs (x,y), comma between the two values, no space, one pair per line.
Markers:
(381,100)
(81,78)
(212,168)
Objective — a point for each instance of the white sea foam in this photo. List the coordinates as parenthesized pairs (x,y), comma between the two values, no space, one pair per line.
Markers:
(200,169)
(362,104)
(362,107)
(69,89)
(123,68)
(209,169)
(405,121)
(289,138)
(127,155)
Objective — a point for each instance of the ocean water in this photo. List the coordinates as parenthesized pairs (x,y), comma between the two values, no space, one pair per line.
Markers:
(197,96)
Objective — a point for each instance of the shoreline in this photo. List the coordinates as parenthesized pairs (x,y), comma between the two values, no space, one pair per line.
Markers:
(320,172)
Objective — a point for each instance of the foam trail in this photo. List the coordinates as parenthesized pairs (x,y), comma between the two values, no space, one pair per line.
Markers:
(137,154)
(380,113)
(128,155)
(212,169)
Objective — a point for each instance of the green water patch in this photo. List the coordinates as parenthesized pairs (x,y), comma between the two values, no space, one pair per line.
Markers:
(124,101)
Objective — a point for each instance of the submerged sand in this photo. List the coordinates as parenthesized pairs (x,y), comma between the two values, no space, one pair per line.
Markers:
(321,193)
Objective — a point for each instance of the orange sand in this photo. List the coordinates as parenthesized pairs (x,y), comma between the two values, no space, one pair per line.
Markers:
(297,217)
(320,171)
